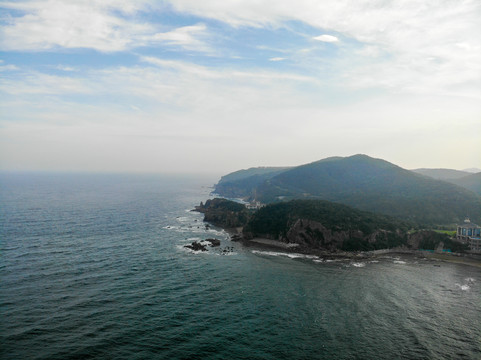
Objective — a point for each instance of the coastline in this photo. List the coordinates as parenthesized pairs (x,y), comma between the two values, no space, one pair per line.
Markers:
(236,235)
(268,244)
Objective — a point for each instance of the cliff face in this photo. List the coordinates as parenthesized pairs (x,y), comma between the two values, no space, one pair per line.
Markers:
(431,240)
(314,235)
(224,213)
(321,225)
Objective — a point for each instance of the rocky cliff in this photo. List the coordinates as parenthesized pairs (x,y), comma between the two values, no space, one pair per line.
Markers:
(224,213)
(314,235)
(322,225)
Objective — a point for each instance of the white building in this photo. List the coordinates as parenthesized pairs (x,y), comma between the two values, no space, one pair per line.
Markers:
(469,233)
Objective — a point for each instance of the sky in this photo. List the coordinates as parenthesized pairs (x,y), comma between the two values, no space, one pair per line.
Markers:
(209,86)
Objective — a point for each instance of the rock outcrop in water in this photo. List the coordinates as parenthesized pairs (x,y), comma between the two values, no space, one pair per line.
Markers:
(213,242)
(196,246)
(224,213)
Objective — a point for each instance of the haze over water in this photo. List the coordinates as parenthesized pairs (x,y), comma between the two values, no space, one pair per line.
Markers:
(93,267)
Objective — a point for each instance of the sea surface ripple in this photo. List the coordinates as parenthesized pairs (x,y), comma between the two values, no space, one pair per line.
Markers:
(93,267)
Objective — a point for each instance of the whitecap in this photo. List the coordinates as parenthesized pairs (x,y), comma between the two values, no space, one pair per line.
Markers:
(358,264)
(289,255)
(464,287)
(399,262)
(269,253)
(193,239)
(230,253)
(470,280)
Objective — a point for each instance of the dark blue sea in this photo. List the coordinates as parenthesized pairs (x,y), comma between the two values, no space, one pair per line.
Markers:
(93,267)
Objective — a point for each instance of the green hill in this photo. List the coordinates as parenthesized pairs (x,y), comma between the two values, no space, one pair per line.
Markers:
(374,185)
(442,174)
(242,183)
(322,224)
(471,182)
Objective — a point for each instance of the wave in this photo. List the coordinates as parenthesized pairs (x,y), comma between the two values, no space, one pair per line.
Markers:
(463,287)
(359,265)
(289,255)
(196,229)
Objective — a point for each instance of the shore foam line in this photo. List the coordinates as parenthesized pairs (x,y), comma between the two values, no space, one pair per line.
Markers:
(289,255)
(274,243)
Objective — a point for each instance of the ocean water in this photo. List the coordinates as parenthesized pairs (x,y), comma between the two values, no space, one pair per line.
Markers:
(93,267)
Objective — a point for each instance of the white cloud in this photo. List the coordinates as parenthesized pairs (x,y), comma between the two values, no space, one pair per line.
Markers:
(89,24)
(143,114)
(404,35)
(66,68)
(423,57)
(45,84)
(9,67)
(326,38)
(186,36)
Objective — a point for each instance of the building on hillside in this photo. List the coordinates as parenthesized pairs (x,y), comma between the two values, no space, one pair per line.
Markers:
(254,205)
(469,233)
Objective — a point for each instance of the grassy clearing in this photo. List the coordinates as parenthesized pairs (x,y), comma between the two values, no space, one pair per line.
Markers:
(447,232)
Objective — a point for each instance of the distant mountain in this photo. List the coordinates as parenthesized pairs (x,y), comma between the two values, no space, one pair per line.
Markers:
(471,182)
(442,174)
(240,184)
(472,170)
(373,185)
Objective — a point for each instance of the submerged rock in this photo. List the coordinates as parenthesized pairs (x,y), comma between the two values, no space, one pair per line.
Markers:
(196,246)
(213,242)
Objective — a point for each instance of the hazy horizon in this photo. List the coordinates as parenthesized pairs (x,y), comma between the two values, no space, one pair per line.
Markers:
(213,87)
(166,172)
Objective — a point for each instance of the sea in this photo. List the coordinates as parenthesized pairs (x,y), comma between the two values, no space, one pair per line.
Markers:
(93,266)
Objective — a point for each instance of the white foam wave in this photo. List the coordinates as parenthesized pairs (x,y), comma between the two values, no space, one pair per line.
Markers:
(359,265)
(195,228)
(463,287)
(470,280)
(399,262)
(170,227)
(230,253)
(289,255)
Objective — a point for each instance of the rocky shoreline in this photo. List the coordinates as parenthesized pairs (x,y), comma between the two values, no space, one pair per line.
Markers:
(300,239)
(267,244)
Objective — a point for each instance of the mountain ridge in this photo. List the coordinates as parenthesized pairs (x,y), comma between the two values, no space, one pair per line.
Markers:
(370,184)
